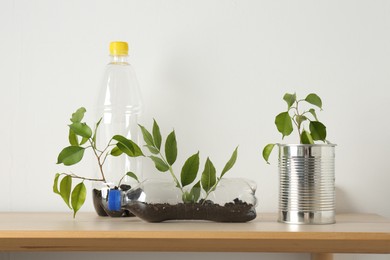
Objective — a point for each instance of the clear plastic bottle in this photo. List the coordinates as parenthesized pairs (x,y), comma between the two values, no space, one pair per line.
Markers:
(120,106)
(154,200)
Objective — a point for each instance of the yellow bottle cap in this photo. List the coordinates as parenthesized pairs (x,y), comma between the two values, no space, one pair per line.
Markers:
(119,48)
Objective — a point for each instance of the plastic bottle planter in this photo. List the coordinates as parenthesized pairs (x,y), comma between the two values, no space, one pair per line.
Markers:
(233,200)
(100,195)
(307,183)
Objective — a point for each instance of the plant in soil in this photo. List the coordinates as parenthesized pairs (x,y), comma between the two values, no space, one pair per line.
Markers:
(164,162)
(194,189)
(81,137)
(307,125)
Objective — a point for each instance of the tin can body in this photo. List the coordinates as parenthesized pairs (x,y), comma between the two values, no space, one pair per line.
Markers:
(307,183)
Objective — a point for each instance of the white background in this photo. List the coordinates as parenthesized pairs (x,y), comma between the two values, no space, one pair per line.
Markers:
(216,72)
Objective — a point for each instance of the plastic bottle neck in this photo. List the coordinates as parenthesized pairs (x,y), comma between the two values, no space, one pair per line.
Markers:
(119,59)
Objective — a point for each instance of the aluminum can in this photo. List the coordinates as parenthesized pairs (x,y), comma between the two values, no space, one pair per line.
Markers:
(307,183)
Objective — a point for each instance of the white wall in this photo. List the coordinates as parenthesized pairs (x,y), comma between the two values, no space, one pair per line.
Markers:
(214,70)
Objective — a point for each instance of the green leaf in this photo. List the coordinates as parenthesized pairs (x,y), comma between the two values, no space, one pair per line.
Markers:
(159,163)
(124,149)
(132,175)
(171,148)
(314,100)
(71,155)
(147,136)
(153,149)
(313,112)
(193,195)
(55,184)
(195,192)
(65,188)
(208,178)
(186,197)
(81,129)
(267,151)
(79,194)
(78,115)
(156,135)
(116,151)
(318,131)
(306,138)
(300,119)
(284,124)
(127,146)
(290,99)
(190,170)
(73,139)
(230,163)
(95,132)
(84,140)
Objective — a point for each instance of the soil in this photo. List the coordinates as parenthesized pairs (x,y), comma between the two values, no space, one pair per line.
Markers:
(101,207)
(237,211)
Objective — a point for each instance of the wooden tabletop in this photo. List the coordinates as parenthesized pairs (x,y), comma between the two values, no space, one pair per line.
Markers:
(353,233)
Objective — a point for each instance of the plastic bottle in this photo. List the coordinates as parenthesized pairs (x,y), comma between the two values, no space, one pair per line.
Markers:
(120,106)
(156,200)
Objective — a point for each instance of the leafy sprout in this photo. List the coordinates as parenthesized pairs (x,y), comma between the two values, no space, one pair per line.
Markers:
(81,137)
(164,160)
(294,116)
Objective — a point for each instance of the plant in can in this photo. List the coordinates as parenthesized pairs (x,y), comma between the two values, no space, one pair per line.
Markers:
(306,122)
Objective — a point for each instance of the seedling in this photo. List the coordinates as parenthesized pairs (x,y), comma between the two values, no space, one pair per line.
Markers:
(73,154)
(208,179)
(285,121)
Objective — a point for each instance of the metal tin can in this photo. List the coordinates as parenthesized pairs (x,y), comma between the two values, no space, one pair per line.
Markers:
(307,183)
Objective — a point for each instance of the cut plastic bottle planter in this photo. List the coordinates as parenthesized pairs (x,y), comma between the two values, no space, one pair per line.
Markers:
(233,200)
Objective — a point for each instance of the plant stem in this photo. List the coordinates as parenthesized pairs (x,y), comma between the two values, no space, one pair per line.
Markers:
(211,190)
(171,171)
(99,163)
(108,145)
(104,159)
(120,181)
(175,179)
(105,151)
(82,178)
(298,124)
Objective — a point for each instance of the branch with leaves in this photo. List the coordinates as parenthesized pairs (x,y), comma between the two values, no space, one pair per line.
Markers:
(295,116)
(74,153)
(164,160)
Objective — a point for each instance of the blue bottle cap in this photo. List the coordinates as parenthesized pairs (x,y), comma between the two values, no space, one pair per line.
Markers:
(114,200)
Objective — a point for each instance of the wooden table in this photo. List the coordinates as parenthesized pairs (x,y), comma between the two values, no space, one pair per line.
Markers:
(353,233)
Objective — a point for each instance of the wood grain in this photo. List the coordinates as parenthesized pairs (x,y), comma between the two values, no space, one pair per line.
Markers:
(353,233)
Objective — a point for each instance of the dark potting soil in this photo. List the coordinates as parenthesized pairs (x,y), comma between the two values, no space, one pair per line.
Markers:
(237,211)
(101,206)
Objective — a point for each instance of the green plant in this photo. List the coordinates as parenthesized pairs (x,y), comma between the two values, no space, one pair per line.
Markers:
(74,153)
(285,120)
(208,180)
